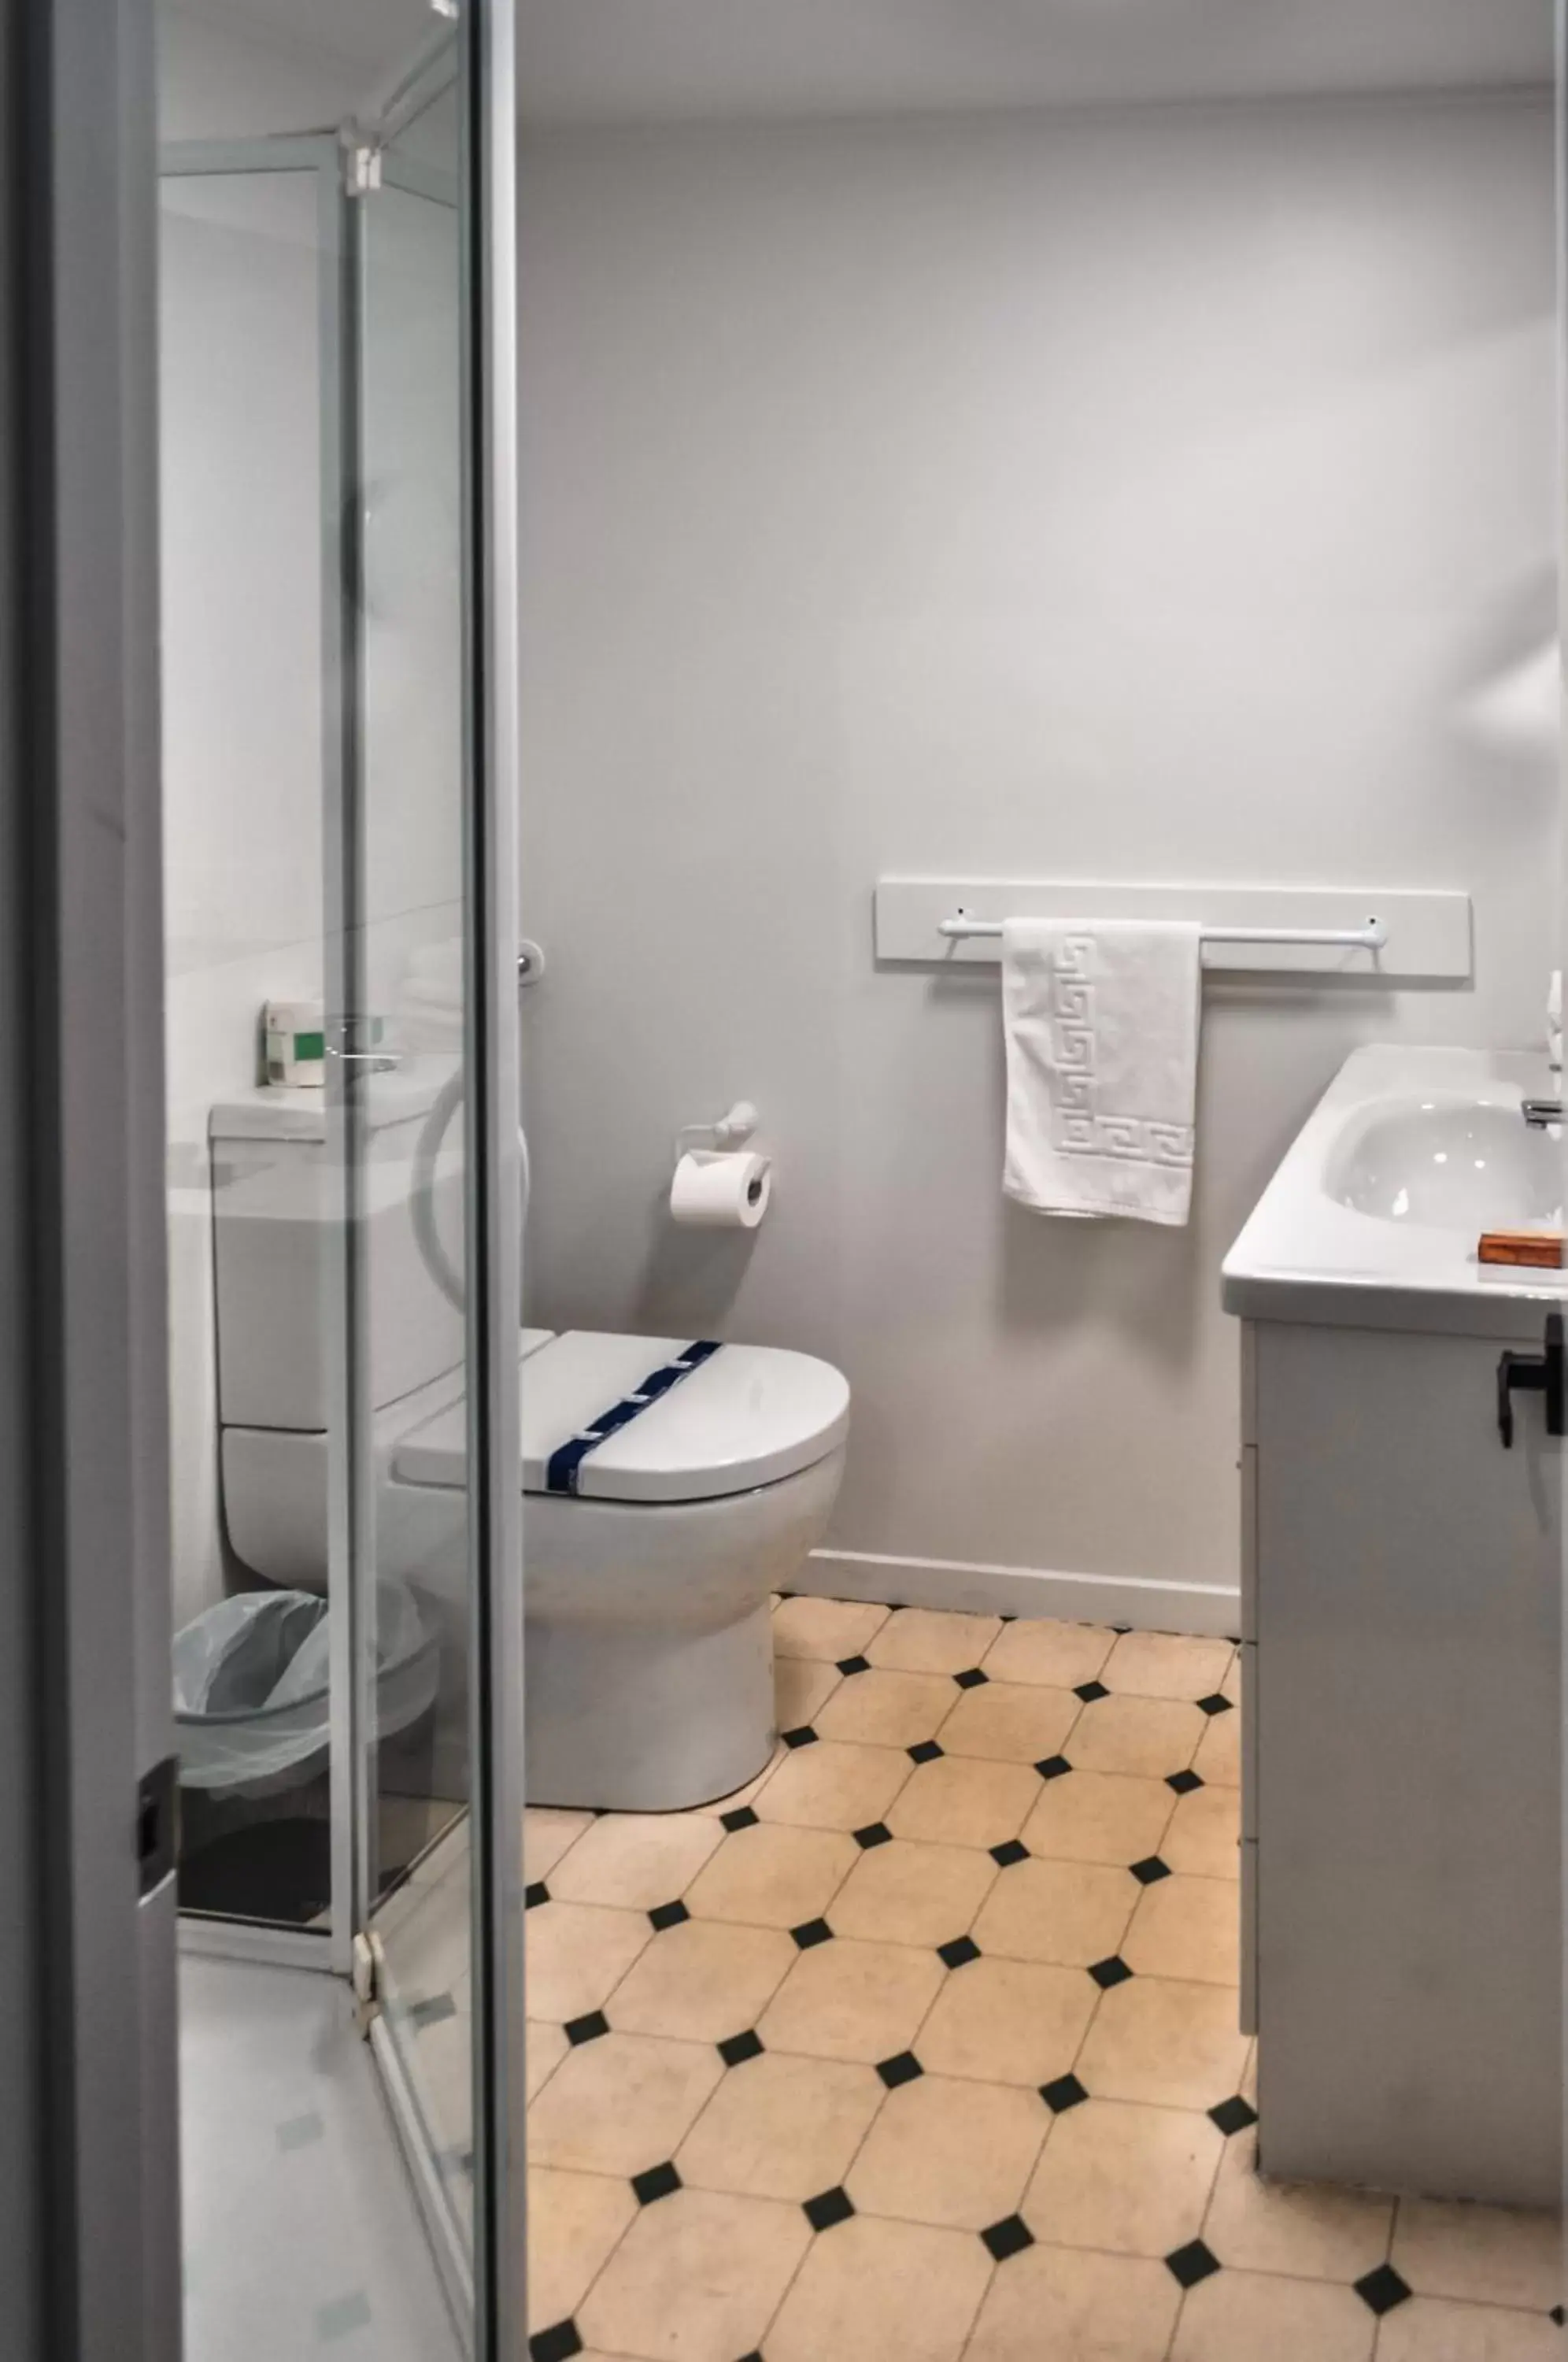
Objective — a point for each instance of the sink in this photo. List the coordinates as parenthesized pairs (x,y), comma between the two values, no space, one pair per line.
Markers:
(1448,1164)
(1375,1214)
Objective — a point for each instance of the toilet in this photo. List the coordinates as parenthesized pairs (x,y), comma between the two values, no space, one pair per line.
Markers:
(671,1484)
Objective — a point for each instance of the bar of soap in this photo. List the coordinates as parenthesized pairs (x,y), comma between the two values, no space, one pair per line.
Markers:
(1540,1250)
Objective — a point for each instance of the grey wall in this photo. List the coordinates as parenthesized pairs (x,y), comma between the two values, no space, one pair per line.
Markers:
(1146,495)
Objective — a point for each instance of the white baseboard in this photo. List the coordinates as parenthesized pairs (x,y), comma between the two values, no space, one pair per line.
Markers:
(1211,1609)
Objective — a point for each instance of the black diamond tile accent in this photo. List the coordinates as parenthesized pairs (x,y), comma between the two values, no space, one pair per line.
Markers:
(1215,1703)
(737,2048)
(875,1833)
(587,2029)
(829,2206)
(1184,1782)
(1113,1971)
(1009,2238)
(959,1952)
(902,2069)
(1558,2315)
(1150,1871)
(1192,2263)
(1089,1691)
(804,1736)
(668,1914)
(1121,1627)
(1066,2092)
(534,1895)
(742,1817)
(971,1678)
(1232,2116)
(855,1664)
(788,1595)
(659,2181)
(1008,1619)
(1382,2290)
(811,1931)
(1052,1767)
(1004,1856)
(555,2345)
(926,1752)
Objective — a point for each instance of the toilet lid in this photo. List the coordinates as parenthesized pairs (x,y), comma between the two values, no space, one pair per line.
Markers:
(733,1417)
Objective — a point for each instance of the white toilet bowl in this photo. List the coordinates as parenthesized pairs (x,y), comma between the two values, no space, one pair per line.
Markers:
(649,1562)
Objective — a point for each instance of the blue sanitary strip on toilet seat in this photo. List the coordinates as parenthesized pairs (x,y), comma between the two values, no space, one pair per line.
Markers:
(561,1476)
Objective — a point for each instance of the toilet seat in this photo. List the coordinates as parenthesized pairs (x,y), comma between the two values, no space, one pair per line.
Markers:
(747,1416)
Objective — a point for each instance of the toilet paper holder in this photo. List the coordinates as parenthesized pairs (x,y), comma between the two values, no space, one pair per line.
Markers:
(733,1129)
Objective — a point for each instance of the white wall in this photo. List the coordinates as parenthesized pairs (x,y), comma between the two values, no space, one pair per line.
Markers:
(1136,494)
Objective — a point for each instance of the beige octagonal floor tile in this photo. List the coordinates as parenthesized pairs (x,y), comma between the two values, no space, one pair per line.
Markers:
(622,2103)
(1187,1927)
(1150,1737)
(1098,1817)
(1178,2045)
(1219,1756)
(701,1982)
(882,2291)
(826,1629)
(576,1955)
(775,1875)
(1058,2305)
(1204,1838)
(1298,2228)
(1007,2022)
(853,2000)
(1240,2317)
(1058,1655)
(1070,1911)
(574,2223)
(887,1709)
(1010,1722)
(949,2152)
(696,2279)
(781,2126)
(1432,2329)
(802,1687)
(932,1640)
(544,2047)
(1491,2255)
(959,1800)
(1166,1664)
(830,1785)
(908,1892)
(1120,2175)
(636,1859)
(547,1834)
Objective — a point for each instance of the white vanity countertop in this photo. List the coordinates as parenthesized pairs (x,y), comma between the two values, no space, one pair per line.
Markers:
(1307,1254)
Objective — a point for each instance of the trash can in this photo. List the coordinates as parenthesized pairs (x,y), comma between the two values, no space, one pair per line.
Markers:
(252,1708)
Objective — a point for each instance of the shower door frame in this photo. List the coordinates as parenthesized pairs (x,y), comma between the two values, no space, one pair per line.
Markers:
(484,2280)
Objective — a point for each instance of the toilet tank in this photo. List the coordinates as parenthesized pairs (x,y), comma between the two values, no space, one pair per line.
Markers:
(275,1202)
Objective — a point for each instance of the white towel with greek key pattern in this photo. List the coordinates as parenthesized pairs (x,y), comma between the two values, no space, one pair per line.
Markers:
(1100,1019)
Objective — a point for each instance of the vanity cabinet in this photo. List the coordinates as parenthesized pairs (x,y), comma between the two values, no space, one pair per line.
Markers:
(1401,1818)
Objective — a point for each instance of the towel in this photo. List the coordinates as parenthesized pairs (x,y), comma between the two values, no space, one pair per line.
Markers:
(1100,1019)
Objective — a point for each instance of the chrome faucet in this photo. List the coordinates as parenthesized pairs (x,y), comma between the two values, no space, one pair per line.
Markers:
(1539,1113)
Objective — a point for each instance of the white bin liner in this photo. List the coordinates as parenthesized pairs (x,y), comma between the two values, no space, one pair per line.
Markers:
(251,1685)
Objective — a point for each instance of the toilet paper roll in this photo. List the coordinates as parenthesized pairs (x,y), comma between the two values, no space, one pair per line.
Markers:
(713,1191)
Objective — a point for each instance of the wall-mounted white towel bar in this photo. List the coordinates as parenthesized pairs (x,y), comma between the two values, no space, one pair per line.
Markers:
(1369,938)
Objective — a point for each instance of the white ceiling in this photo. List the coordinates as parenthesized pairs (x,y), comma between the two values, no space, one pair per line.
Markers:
(585,60)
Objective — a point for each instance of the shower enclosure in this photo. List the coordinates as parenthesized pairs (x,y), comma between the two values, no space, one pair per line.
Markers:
(335,358)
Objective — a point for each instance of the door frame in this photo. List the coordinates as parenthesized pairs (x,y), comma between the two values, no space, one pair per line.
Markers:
(90,2237)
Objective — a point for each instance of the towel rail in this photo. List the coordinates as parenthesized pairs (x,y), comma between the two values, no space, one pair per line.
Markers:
(1371,937)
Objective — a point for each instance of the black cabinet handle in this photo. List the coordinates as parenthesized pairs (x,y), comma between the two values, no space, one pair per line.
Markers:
(1535,1373)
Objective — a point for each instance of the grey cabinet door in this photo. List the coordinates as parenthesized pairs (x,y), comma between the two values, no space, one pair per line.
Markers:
(1409,1975)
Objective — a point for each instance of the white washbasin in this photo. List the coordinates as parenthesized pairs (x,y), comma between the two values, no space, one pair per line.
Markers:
(1448,1164)
(1375,1215)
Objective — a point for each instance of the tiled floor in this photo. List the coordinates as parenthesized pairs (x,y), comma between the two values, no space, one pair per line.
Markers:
(301,2232)
(925,2044)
